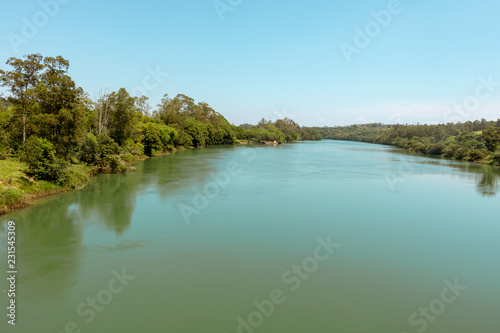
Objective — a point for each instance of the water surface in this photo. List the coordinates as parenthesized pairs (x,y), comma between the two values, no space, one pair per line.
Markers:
(407,226)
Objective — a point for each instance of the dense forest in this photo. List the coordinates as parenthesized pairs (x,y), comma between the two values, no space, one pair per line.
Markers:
(477,141)
(60,135)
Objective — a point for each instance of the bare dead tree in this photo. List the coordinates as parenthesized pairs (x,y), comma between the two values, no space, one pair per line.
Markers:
(102,110)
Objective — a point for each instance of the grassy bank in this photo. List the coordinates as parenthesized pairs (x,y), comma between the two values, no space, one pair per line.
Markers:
(17,190)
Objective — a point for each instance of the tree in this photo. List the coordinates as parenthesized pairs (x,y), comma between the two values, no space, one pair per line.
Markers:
(290,128)
(263,123)
(102,112)
(157,138)
(5,116)
(142,105)
(198,132)
(39,155)
(122,116)
(21,82)
(176,111)
(492,138)
(55,88)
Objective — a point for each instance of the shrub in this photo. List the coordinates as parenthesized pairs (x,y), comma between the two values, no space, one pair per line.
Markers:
(9,197)
(4,145)
(152,139)
(461,153)
(77,174)
(89,150)
(116,166)
(183,139)
(496,158)
(198,132)
(39,155)
(435,149)
(107,146)
(476,155)
(449,151)
(491,136)
(133,148)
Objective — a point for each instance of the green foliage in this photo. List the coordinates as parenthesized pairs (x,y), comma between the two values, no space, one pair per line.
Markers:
(281,130)
(491,137)
(183,139)
(39,155)
(76,175)
(115,164)
(21,82)
(123,115)
(476,155)
(107,146)
(5,146)
(133,148)
(290,129)
(467,141)
(89,149)
(435,149)
(310,134)
(198,132)
(9,197)
(66,130)
(157,138)
(495,157)
(270,133)
(197,125)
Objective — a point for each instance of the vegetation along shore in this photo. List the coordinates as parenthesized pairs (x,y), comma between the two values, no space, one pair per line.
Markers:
(477,141)
(53,136)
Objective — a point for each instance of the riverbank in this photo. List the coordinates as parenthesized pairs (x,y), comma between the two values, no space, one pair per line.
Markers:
(490,160)
(17,190)
(477,142)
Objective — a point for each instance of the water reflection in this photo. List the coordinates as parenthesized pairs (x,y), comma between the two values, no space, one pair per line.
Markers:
(174,173)
(110,200)
(485,176)
(49,243)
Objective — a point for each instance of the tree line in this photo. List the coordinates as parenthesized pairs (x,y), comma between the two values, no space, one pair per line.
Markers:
(473,141)
(49,123)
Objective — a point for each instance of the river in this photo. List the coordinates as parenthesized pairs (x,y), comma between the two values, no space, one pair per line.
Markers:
(307,237)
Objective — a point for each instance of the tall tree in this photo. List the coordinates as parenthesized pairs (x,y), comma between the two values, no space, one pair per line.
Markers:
(56,90)
(142,105)
(122,116)
(60,110)
(21,82)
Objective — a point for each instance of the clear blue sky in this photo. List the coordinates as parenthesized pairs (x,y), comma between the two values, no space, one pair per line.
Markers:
(279,58)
